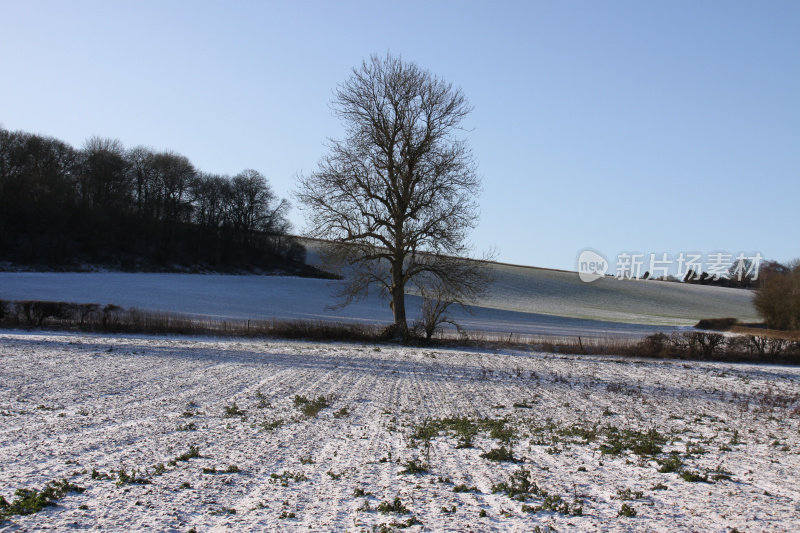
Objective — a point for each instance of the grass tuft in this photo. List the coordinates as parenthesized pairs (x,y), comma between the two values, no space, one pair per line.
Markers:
(396,507)
(30,501)
(311,408)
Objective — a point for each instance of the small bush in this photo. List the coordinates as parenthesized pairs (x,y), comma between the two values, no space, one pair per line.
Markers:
(233,410)
(777,299)
(287,476)
(626,511)
(414,467)
(111,317)
(555,504)
(99,475)
(30,501)
(311,408)
(395,507)
(673,463)
(693,477)
(263,401)
(629,494)
(269,426)
(717,324)
(193,453)
(641,443)
(655,345)
(500,454)
(34,312)
(124,478)
(518,487)
(703,344)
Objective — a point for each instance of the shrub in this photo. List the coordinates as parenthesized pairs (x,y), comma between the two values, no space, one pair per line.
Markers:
(518,487)
(286,476)
(233,410)
(693,477)
(433,313)
(30,501)
(777,299)
(34,312)
(414,467)
(269,426)
(124,478)
(500,454)
(702,344)
(85,311)
(556,504)
(111,316)
(193,453)
(718,324)
(396,507)
(639,442)
(672,463)
(311,408)
(655,345)
(626,511)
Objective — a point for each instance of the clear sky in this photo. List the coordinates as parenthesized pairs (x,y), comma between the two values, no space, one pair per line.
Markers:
(652,126)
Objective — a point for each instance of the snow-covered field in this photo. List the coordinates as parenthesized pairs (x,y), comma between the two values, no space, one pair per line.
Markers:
(591,431)
(523,300)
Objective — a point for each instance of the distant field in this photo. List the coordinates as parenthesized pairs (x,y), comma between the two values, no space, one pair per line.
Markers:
(523,300)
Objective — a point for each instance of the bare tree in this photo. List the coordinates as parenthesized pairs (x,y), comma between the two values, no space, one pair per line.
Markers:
(451,281)
(777,298)
(254,207)
(143,177)
(173,174)
(397,194)
(210,196)
(104,176)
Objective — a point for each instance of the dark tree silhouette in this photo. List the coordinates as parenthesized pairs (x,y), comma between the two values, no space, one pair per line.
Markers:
(134,208)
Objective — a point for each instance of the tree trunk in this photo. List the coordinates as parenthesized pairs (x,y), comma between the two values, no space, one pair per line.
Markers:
(399,302)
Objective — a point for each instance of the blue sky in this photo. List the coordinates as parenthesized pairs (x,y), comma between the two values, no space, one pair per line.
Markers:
(661,127)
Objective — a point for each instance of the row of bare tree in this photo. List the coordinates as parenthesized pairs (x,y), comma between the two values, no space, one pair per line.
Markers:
(106,203)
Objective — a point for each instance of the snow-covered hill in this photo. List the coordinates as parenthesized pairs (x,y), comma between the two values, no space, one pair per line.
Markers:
(520,300)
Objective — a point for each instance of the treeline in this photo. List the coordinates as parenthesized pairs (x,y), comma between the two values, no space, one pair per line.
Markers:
(744,276)
(135,209)
(738,276)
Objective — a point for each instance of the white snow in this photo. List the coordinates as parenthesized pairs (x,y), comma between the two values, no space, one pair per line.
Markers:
(73,403)
(520,300)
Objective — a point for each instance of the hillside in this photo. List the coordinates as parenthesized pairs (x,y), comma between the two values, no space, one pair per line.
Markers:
(523,300)
(525,289)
